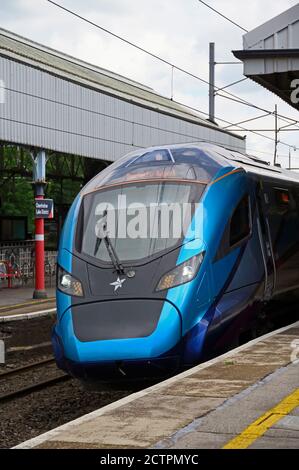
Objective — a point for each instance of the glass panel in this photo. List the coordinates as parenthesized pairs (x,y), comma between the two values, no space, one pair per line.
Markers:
(154,156)
(141,219)
(240,222)
(179,162)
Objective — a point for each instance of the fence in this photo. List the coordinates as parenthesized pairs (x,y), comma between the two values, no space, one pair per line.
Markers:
(21,257)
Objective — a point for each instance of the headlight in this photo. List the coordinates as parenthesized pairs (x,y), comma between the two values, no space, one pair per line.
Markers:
(182,274)
(68,284)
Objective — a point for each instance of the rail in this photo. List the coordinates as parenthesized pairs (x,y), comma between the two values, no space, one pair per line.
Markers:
(31,388)
(33,365)
(43,384)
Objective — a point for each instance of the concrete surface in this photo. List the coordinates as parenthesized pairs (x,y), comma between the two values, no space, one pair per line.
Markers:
(236,414)
(18,301)
(19,295)
(205,407)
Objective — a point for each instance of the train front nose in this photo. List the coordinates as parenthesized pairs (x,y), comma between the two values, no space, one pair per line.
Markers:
(132,337)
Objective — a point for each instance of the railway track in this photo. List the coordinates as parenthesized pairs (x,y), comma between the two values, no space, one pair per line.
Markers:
(27,367)
(31,388)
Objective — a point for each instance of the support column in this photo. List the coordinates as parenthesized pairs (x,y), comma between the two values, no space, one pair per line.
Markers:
(39,183)
(276,135)
(212,82)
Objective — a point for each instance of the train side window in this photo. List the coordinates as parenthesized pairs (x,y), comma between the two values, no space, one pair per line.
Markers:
(237,229)
(240,226)
(282,197)
(284,201)
(296,197)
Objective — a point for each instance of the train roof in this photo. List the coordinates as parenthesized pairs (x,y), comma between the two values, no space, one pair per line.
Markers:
(198,161)
(253,164)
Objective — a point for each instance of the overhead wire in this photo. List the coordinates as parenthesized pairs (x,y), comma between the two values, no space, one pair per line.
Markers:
(223,16)
(231,96)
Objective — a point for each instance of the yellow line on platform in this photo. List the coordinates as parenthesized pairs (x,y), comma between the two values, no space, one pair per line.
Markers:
(27,304)
(264,422)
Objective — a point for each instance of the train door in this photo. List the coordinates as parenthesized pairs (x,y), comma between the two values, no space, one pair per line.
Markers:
(263,200)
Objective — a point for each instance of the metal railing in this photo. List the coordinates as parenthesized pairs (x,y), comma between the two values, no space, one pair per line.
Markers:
(21,256)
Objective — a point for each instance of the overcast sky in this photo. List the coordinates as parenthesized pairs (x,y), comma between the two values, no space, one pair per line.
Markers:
(177,30)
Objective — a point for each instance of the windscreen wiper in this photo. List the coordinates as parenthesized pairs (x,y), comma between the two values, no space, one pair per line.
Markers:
(110,248)
(113,256)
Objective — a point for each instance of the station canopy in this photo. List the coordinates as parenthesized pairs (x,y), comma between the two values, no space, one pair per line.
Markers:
(271,54)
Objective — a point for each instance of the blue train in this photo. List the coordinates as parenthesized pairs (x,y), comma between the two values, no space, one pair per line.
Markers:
(150,302)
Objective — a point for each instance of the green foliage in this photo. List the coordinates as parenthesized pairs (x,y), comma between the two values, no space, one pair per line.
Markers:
(18,200)
(16,193)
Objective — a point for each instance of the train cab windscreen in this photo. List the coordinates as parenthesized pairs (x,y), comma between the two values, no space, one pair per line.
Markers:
(138,220)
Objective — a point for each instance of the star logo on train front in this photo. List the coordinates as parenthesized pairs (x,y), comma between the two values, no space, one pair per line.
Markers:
(117,284)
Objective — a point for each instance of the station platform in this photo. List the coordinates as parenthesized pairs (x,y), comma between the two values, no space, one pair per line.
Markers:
(17,303)
(246,398)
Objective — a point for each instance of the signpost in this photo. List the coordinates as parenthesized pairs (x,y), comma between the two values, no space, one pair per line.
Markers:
(43,210)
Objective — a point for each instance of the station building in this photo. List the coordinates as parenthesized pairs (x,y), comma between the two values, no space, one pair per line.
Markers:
(271,55)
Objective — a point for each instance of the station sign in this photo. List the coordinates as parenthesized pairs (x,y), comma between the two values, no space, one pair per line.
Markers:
(44,208)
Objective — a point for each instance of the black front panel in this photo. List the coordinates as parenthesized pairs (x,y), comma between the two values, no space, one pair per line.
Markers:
(99,283)
(117,319)
(143,283)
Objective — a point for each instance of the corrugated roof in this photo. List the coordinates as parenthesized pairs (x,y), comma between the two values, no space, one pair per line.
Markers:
(283,25)
(18,48)
(271,54)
